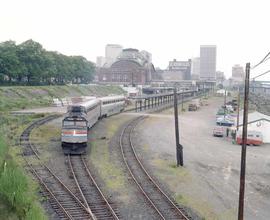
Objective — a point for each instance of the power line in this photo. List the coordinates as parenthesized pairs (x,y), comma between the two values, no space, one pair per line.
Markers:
(267,58)
(263,60)
(261,74)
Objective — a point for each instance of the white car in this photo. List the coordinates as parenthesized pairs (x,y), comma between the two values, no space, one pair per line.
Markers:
(218,131)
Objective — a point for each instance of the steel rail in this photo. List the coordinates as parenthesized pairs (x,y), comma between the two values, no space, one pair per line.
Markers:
(132,126)
(55,176)
(148,175)
(50,192)
(26,138)
(131,173)
(79,188)
(99,190)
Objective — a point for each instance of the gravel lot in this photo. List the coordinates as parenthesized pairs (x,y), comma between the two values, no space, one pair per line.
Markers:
(209,181)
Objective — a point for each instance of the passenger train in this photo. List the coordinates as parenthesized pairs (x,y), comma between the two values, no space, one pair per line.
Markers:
(81,117)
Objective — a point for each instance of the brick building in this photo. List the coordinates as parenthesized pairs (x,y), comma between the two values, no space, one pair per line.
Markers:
(131,67)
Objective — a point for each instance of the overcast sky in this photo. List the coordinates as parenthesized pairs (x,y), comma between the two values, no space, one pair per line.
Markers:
(167,29)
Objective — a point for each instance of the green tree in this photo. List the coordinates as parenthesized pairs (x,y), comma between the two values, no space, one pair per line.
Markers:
(9,63)
(29,62)
(32,54)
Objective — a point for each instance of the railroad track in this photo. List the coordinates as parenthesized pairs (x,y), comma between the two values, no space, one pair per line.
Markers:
(30,149)
(91,194)
(164,206)
(65,203)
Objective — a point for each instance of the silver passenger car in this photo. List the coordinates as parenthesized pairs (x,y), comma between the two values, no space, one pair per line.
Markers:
(111,105)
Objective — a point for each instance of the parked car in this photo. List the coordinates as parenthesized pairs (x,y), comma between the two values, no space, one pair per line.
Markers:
(192,107)
(221,111)
(222,121)
(229,108)
(218,131)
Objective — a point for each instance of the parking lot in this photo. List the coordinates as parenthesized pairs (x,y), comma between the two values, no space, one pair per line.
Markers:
(211,164)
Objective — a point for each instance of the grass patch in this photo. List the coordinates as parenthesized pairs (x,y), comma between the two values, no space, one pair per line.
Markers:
(43,135)
(6,212)
(112,176)
(182,183)
(177,177)
(202,207)
(101,157)
(166,170)
(21,97)
(16,190)
(18,193)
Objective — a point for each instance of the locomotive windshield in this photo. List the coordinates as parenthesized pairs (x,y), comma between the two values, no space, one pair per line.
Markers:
(77,109)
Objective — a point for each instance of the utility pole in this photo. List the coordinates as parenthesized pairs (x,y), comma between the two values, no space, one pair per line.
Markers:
(244,148)
(238,109)
(225,103)
(182,104)
(179,147)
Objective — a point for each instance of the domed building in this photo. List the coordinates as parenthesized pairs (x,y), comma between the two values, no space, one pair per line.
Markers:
(131,67)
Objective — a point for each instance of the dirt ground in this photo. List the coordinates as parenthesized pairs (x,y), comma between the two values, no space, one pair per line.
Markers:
(208,183)
(209,180)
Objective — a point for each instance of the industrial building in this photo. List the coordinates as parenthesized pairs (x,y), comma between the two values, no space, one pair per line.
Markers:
(195,68)
(178,70)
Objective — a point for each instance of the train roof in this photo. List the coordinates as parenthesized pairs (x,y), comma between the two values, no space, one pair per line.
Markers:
(87,104)
(109,98)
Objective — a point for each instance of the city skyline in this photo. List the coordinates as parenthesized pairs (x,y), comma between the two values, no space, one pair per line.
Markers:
(84,28)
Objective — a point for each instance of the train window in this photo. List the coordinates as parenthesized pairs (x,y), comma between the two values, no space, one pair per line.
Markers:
(250,135)
(76,109)
(93,107)
(257,135)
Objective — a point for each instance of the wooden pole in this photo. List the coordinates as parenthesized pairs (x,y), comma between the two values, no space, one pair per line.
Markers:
(238,109)
(179,148)
(244,148)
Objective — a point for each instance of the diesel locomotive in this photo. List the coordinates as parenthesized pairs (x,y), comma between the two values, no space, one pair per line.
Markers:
(81,117)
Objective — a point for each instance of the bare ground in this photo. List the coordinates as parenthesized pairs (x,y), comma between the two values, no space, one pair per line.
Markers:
(209,181)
